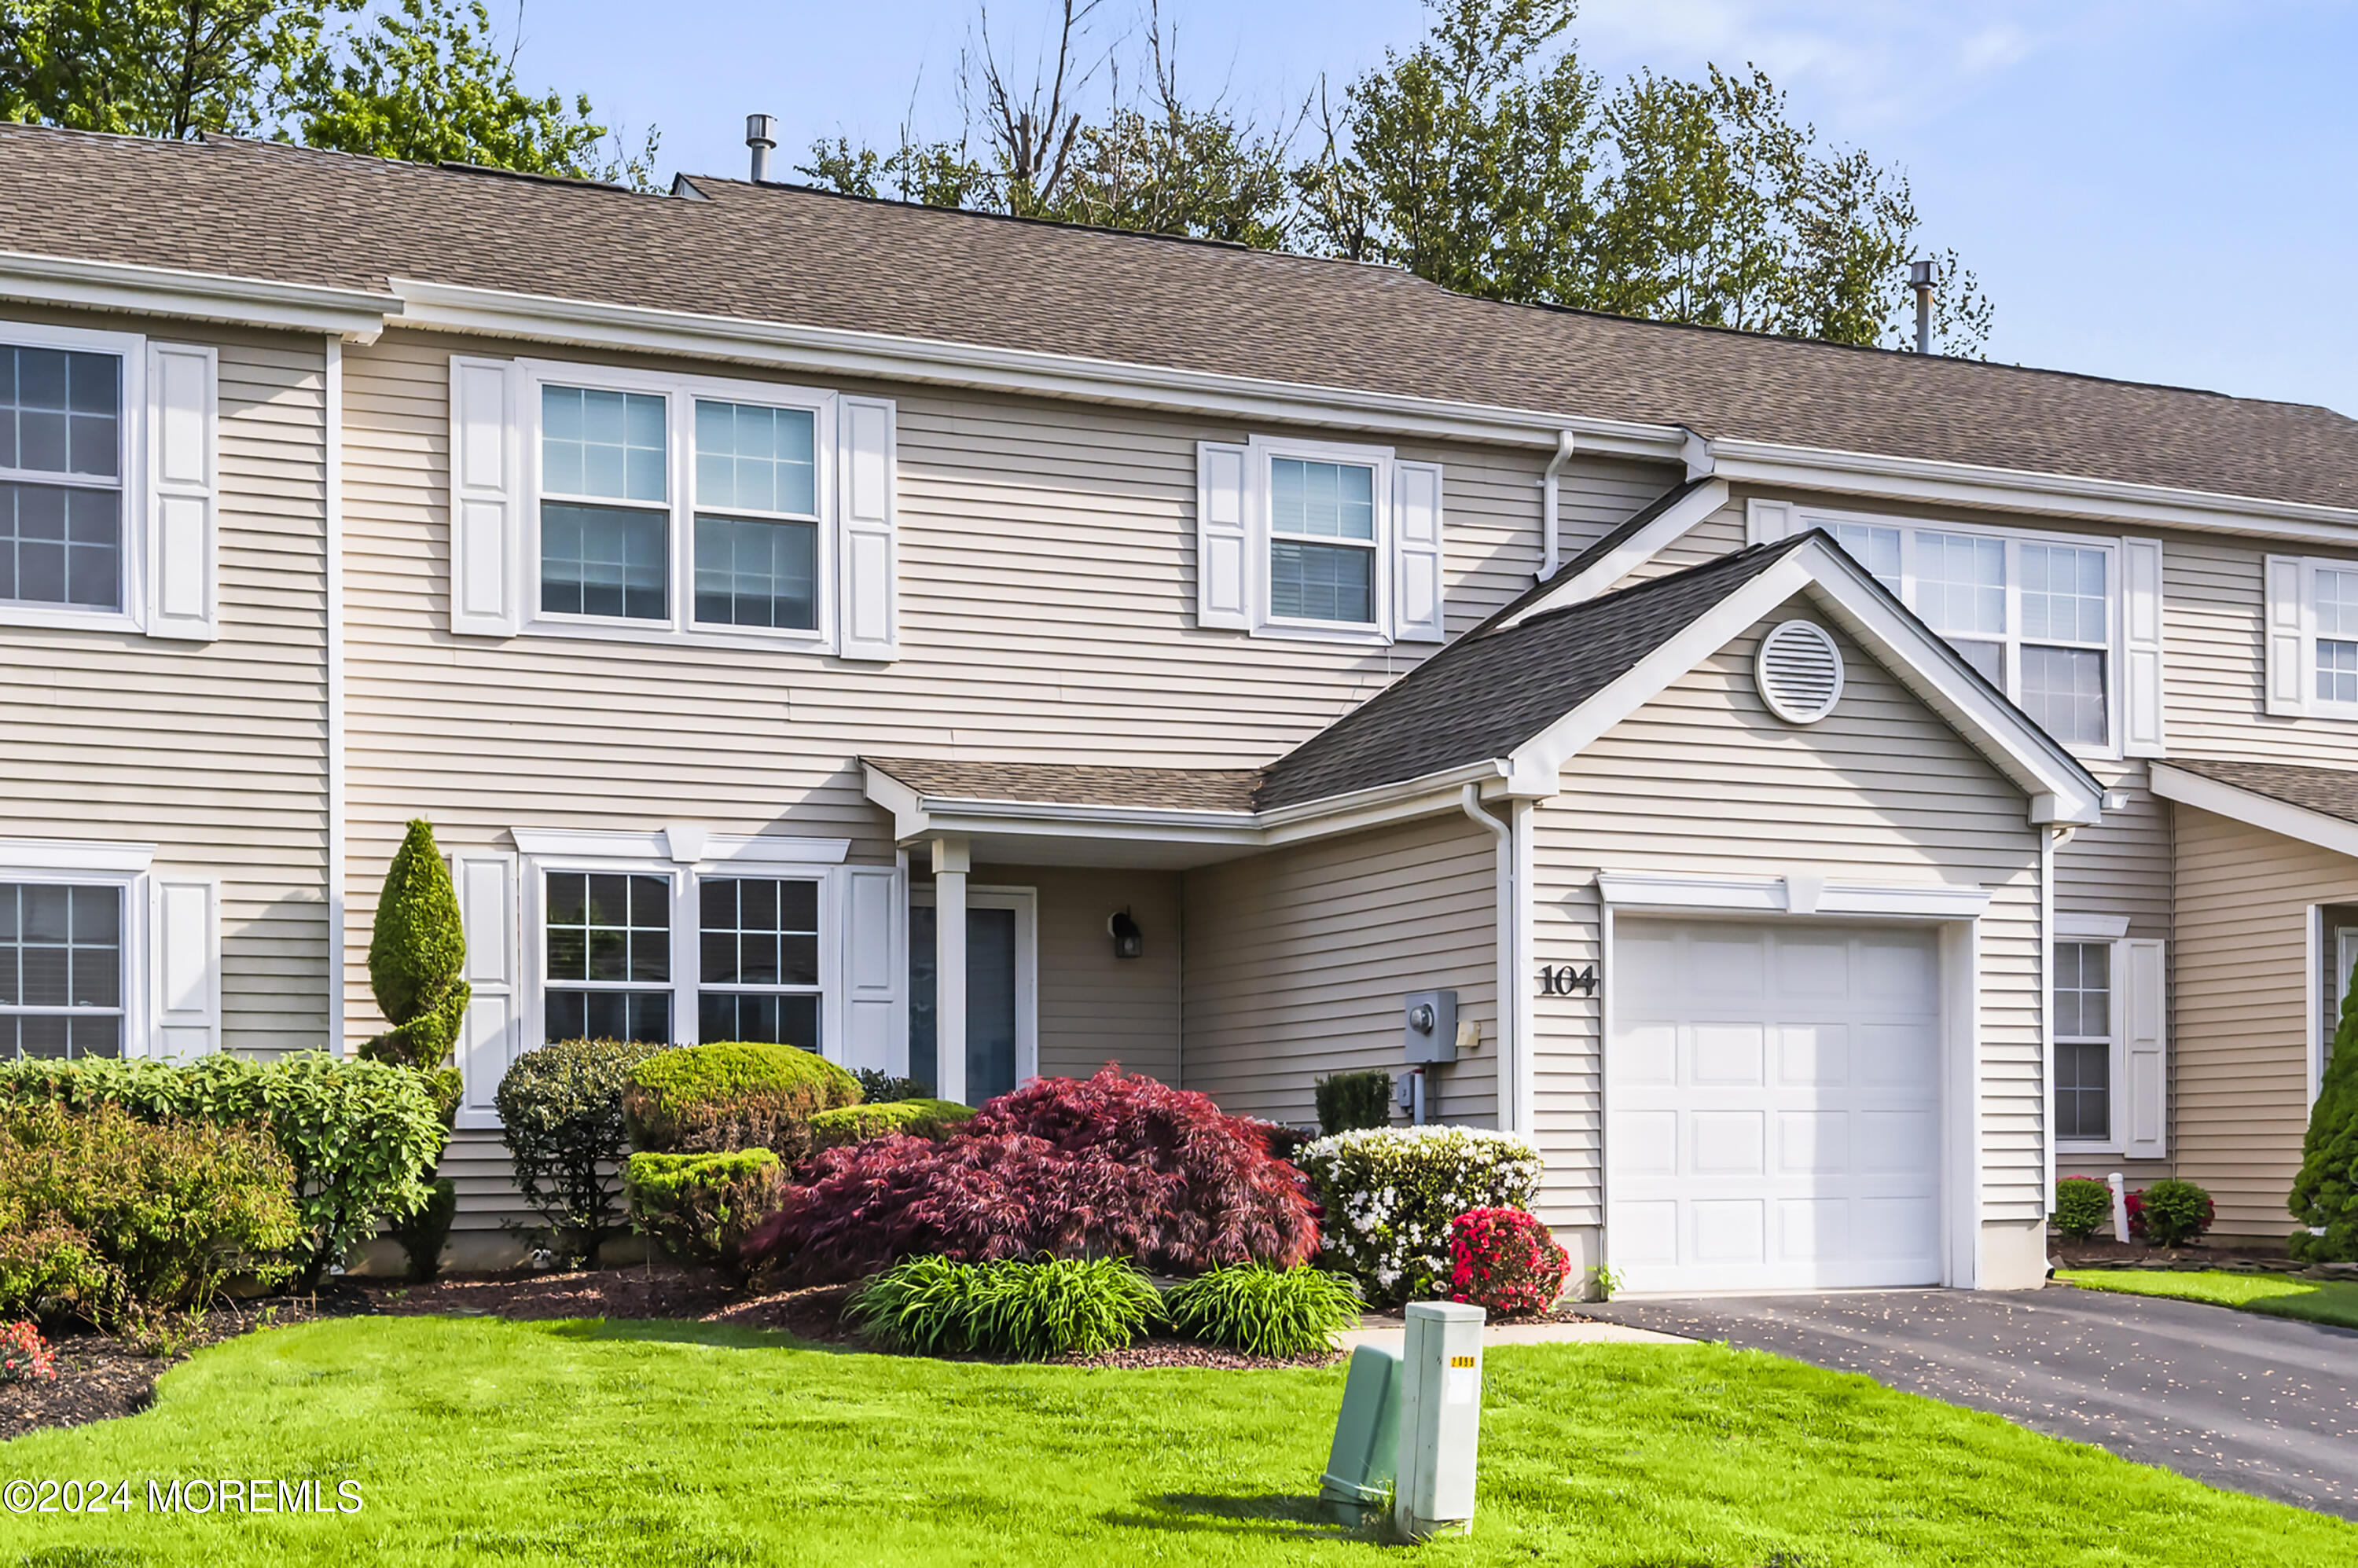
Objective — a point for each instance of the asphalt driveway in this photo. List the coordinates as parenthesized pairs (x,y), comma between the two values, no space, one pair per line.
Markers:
(2258,1404)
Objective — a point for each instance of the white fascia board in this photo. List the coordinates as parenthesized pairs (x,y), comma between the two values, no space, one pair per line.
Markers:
(1631,553)
(666,843)
(1676,893)
(2094,928)
(1923,480)
(2261,811)
(877,355)
(202,296)
(94,858)
(2060,790)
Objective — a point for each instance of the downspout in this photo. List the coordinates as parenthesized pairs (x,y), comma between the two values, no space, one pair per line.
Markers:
(1548,550)
(2054,839)
(332,397)
(1510,1109)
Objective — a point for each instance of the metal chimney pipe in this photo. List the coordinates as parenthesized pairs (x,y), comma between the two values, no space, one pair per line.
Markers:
(760,135)
(1920,278)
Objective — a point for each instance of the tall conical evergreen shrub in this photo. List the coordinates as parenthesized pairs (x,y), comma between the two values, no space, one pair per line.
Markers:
(2325,1193)
(417,952)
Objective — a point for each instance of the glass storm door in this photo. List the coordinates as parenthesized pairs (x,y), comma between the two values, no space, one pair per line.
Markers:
(998,1001)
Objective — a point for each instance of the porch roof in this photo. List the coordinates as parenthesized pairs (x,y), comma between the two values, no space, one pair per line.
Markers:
(1077,784)
(2316,806)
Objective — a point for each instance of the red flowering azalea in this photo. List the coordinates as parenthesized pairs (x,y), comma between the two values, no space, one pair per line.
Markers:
(25,1354)
(1505,1259)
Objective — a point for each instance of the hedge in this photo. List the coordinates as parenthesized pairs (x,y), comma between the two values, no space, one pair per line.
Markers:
(699,1208)
(857,1123)
(710,1099)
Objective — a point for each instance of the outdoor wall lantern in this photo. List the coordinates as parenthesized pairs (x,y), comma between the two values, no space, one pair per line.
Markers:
(1129,941)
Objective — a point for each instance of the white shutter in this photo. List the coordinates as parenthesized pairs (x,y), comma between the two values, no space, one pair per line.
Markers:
(2141,642)
(181,415)
(869,616)
(1223,538)
(870,1033)
(1416,552)
(1766,522)
(183,966)
(492,1033)
(2288,643)
(486,497)
(2145,1055)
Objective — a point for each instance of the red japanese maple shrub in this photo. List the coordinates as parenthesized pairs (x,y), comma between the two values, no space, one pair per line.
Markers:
(1111,1166)
(1505,1259)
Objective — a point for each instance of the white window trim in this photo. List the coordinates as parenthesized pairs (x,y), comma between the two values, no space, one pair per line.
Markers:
(680,393)
(131,461)
(1025,903)
(1261,450)
(2089,933)
(648,855)
(2115,649)
(2302,701)
(84,864)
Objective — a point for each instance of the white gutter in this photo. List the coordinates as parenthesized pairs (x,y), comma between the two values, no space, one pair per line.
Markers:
(1548,549)
(338,748)
(209,296)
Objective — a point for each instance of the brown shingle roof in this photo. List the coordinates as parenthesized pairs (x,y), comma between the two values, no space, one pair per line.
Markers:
(1069,783)
(2331,792)
(786,254)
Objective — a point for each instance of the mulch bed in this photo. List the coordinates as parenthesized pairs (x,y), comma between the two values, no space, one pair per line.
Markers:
(2102,1252)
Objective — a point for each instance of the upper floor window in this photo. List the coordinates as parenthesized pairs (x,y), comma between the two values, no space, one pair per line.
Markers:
(62,479)
(2036,616)
(1321,542)
(597,558)
(2310,614)
(756,515)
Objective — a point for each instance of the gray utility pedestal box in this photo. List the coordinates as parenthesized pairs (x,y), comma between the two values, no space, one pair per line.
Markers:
(1440,1419)
(1367,1437)
(1430,1026)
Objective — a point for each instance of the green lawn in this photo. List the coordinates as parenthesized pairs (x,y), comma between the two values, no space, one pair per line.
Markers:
(2318,1301)
(476,1441)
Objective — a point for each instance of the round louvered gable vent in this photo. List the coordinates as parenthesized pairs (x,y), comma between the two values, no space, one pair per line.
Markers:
(1799,671)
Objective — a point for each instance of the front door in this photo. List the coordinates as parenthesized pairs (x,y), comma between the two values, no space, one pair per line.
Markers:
(1002,1031)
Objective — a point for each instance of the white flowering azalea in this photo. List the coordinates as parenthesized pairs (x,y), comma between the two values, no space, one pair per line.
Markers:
(1390,1192)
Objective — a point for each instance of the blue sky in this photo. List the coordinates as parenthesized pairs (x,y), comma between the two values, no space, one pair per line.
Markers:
(2161,191)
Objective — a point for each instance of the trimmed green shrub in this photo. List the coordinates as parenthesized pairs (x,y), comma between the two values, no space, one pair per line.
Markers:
(1260,1311)
(709,1100)
(699,1207)
(422,1234)
(417,958)
(2083,1206)
(1389,1192)
(857,1123)
(357,1134)
(1349,1101)
(2169,1212)
(125,1217)
(2324,1196)
(877,1087)
(561,1117)
(1029,1310)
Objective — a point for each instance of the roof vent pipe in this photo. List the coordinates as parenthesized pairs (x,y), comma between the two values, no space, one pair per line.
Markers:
(761,134)
(1921,278)
(1548,548)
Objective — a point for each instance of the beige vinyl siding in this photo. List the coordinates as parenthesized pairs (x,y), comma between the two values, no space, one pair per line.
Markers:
(1046,580)
(1299,961)
(2120,866)
(1094,1007)
(215,752)
(2243,983)
(2216,661)
(1721,533)
(1704,780)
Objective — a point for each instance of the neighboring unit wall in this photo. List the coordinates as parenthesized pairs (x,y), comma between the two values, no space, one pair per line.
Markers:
(2246,977)
(1704,780)
(215,752)
(1299,962)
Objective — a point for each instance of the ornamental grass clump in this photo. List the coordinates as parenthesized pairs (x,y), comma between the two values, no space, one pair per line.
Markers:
(1029,1310)
(1505,1261)
(2082,1205)
(1283,1313)
(1390,1193)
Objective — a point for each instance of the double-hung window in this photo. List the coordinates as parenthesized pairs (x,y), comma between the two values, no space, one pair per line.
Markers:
(1321,542)
(62,970)
(759,976)
(2083,1042)
(609,956)
(2311,619)
(604,521)
(62,466)
(756,515)
(2037,616)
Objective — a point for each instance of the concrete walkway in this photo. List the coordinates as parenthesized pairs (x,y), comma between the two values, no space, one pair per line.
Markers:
(1526,1334)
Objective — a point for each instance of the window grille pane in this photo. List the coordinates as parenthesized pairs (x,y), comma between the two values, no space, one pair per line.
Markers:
(1877,549)
(2082,989)
(760,931)
(756,459)
(602,560)
(2083,1091)
(1322,500)
(2337,604)
(61,546)
(1989,658)
(608,1015)
(1960,583)
(756,574)
(2337,671)
(607,444)
(60,412)
(775,1020)
(2064,690)
(1322,582)
(609,927)
(2063,596)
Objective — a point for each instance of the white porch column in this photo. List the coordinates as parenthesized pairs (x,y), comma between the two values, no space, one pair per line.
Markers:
(951,862)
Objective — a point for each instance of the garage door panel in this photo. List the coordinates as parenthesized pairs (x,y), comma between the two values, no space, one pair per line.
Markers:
(1795,1144)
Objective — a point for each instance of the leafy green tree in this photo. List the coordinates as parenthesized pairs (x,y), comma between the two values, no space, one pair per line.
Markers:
(154,67)
(2325,1193)
(417,958)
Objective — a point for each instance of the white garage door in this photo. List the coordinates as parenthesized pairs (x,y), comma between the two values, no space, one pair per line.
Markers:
(1773,1094)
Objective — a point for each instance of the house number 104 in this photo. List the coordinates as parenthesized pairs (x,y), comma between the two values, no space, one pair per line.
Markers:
(1563,980)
